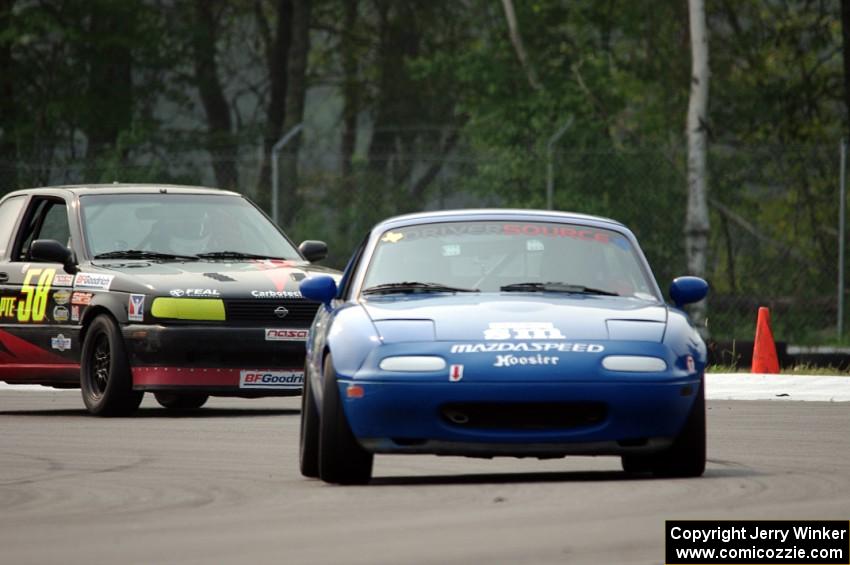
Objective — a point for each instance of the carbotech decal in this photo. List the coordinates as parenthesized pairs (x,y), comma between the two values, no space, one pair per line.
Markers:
(136,308)
(522,330)
(60,343)
(32,306)
(276,294)
(514,360)
(92,281)
(271,379)
(61,296)
(525,347)
(287,334)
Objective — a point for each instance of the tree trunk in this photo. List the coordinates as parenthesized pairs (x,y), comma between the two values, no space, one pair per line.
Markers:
(350,94)
(296,92)
(219,125)
(697,221)
(110,84)
(278,69)
(519,47)
(8,144)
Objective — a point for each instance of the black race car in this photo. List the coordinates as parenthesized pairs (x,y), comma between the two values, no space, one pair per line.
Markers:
(120,289)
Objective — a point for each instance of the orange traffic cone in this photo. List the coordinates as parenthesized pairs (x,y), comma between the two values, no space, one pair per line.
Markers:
(764,351)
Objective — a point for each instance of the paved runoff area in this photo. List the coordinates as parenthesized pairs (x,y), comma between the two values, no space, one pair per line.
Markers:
(223,486)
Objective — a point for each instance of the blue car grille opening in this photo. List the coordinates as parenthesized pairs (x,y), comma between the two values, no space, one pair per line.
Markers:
(524,415)
(299,313)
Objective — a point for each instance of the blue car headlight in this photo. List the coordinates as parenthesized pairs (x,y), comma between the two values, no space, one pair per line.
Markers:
(634,363)
(413,363)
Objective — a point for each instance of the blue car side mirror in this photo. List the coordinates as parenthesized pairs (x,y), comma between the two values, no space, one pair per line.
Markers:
(321,289)
(687,290)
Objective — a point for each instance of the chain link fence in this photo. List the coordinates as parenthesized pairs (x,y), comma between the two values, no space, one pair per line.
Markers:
(774,210)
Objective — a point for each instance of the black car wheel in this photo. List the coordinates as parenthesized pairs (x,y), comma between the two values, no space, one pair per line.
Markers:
(309,441)
(105,379)
(341,459)
(686,457)
(181,401)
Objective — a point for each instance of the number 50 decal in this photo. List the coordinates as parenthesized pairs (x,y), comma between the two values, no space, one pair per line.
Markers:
(34,302)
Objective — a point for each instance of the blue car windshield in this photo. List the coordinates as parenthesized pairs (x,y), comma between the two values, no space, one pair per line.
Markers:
(187,225)
(505,256)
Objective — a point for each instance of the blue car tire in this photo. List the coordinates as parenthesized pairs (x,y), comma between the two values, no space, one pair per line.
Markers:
(341,459)
(686,457)
(309,440)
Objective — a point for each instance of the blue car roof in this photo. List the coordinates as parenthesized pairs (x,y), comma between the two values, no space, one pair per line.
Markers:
(497,214)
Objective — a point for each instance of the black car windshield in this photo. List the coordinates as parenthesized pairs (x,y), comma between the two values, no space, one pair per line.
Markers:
(141,226)
(511,256)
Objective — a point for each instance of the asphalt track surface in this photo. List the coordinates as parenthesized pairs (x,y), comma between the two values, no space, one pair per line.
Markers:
(223,487)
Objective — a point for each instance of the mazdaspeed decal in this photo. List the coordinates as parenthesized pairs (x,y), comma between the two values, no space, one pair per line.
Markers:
(527,347)
(136,308)
(271,379)
(93,281)
(522,330)
(32,306)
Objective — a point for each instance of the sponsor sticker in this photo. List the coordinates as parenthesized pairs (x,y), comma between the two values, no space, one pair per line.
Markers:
(81,298)
(93,281)
(8,306)
(194,292)
(61,314)
(392,237)
(136,308)
(528,347)
(514,360)
(689,361)
(455,373)
(63,280)
(60,343)
(61,296)
(287,334)
(522,330)
(276,294)
(75,313)
(271,379)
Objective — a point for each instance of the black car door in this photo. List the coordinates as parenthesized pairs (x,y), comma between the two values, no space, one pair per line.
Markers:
(38,339)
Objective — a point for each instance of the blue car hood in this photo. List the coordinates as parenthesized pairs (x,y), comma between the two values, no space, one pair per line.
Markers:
(466,317)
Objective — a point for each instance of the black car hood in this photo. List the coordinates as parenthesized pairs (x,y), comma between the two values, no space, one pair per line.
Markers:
(226,279)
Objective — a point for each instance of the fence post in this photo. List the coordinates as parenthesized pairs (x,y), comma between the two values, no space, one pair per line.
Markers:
(550,167)
(275,180)
(842,216)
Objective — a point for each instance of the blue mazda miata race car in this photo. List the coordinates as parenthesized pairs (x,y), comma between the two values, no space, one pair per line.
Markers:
(501,333)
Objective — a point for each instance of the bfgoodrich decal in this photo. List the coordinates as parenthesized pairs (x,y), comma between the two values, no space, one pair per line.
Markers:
(271,379)
(92,281)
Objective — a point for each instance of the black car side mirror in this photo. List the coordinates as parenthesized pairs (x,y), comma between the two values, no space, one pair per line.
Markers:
(313,250)
(51,251)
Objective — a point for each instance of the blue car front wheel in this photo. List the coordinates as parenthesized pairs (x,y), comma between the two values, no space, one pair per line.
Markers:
(341,459)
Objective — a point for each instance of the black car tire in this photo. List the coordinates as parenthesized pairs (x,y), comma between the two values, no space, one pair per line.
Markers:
(686,457)
(181,401)
(637,463)
(308,452)
(341,459)
(105,379)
